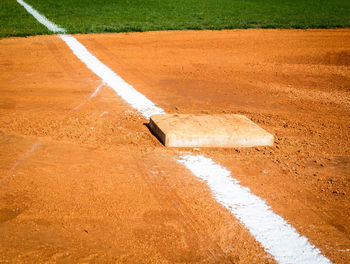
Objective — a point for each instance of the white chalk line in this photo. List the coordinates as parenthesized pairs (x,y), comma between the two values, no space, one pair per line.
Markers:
(137,100)
(280,239)
(97,90)
(42,19)
(19,161)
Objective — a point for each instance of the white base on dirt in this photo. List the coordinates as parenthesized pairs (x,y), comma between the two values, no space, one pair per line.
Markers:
(221,130)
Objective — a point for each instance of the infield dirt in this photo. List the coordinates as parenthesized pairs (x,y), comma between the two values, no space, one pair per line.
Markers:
(91,184)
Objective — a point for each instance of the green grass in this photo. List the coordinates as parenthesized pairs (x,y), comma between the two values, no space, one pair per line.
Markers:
(87,16)
(15,21)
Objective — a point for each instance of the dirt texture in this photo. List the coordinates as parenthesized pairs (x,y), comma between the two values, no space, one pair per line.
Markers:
(83,180)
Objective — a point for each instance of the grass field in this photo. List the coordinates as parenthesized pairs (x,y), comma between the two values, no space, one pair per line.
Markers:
(85,16)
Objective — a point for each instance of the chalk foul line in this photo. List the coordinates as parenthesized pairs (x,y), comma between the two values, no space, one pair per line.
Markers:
(41,18)
(137,100)
(280,239)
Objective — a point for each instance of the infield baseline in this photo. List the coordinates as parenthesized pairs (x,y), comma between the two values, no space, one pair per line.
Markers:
(279,238)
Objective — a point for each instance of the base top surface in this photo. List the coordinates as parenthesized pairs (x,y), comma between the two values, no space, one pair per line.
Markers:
(221,130)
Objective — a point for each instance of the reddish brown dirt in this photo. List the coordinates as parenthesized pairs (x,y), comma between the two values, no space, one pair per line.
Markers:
(294,83)
(92,184)
(98,187)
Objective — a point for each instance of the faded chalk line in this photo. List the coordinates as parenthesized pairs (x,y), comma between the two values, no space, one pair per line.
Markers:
(280,239)
(103,113)
(97,90)
(78,106)
(20,161)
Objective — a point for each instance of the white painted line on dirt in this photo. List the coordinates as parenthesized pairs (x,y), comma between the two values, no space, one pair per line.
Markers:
(42,19)
(137,100)
(20,161)
(279,238)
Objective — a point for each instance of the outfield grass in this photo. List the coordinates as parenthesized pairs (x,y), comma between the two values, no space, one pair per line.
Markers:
(87,16)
